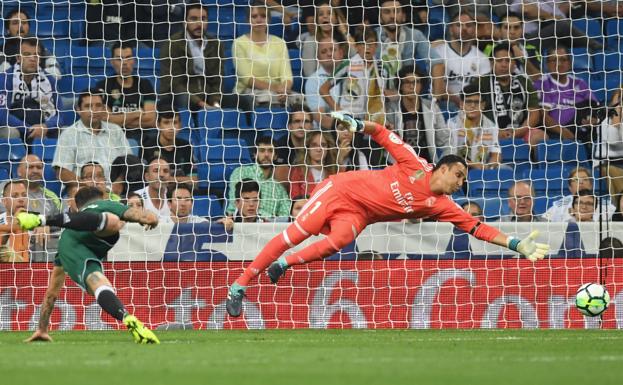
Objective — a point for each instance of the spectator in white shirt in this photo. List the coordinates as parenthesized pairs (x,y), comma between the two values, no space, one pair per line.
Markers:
(579,179)
(157,175)
(90,139)
(181,204)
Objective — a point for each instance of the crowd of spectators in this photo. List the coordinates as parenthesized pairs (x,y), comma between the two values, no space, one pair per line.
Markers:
(484,81)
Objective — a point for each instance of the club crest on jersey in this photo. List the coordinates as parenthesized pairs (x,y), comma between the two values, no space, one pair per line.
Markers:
(430,201)
(419,174)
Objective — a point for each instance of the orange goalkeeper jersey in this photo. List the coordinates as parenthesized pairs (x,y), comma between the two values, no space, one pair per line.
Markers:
(403,191)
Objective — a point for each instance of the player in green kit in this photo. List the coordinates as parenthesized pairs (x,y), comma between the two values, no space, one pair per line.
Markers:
(80,255)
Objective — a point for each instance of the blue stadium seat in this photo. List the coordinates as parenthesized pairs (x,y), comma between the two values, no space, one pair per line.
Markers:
(44,149)
(550,181)
(270,121)
(215,122)
(492,207)
(11,152)
(207,206)
(516,153)
(614,30)
(590,27)
(567,153)
(218,158)
(607,61)
(489,183)
(581,60)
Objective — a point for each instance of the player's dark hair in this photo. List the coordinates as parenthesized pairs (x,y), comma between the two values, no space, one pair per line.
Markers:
(584,193)
(87,194)
(13,12)
(246,185)
(449,160)
(503,46)
(178,186)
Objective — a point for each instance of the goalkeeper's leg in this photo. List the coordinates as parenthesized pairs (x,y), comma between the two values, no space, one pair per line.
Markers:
(343,231)
(101,288)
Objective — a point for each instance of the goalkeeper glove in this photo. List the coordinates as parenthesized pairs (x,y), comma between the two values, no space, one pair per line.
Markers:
(349,122)
(29,221)
(528,247)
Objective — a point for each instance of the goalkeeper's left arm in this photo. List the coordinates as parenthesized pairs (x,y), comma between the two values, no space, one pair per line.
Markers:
(80,221)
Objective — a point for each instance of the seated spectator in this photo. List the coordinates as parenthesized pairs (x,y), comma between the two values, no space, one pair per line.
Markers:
(327,26)
(192,66)
(178,152)
(17,27)
(299,124)
(359,80)
(297,205)
(351,152)
(29,105)
(92,174)
(181,204)
(330,54)
(610,148)
(157,176)
(526,55)
(521,202)
(549,23)
(421,123)
(15,246)
(135,201)
(473,209)
(473,135)
(579,179)
(461,60)
(559,93)
(583,207)
(247,195)
(40,199)
(90,139)
(317,162)
(131,100)
(511,100)
(262,62)
(275,202)
(399,44)
(69,203)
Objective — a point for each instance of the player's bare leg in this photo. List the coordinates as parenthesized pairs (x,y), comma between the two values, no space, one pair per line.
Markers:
(101,288)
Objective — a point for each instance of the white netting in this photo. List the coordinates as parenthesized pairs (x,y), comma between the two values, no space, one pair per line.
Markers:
(518,88)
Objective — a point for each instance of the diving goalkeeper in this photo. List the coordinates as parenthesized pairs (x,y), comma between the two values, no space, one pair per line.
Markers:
(88,236)
(344,204)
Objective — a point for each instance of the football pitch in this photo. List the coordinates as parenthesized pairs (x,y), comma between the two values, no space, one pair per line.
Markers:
(318,357)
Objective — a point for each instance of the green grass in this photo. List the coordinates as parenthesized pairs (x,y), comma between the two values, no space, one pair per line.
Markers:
(318,357)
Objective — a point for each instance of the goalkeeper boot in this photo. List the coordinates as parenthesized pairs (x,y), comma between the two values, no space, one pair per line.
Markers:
(140,333)
(275,271)
(234,300)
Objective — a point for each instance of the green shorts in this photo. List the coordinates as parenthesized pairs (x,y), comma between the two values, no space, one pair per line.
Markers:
(78,263)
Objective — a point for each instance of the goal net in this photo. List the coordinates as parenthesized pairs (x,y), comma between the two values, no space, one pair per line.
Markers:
(215,115)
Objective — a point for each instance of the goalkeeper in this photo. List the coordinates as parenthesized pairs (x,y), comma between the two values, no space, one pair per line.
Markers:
(89,235)
(344,204)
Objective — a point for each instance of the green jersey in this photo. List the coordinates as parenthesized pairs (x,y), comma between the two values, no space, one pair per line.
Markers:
(81,252)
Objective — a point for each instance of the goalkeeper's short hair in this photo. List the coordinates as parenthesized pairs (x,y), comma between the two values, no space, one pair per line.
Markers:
(449,160)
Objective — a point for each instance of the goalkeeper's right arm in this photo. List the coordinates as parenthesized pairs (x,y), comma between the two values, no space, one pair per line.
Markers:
(80,221)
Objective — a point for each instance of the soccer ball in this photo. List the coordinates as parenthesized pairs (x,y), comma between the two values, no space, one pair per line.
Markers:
(592,299)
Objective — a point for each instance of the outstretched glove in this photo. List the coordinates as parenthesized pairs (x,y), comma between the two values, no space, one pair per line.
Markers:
(348,121)
(528,247)
(28,221)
